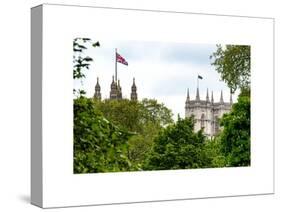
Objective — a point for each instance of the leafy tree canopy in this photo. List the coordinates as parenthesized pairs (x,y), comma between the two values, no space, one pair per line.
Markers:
(236,134)
(233,63)
(134,115)
(178,147)
(145,119)
(99,146)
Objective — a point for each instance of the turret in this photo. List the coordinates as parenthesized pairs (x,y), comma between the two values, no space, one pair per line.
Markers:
(187,99)
(207,96)
(119,90)
(113,90)
(97,94)
(197,95)
(221,99)
(134,95)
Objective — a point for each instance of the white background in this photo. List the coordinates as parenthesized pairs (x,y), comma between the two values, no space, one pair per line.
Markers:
(62,188)
(15,98)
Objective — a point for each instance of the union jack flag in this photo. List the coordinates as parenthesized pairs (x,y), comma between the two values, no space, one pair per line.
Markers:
(121,59)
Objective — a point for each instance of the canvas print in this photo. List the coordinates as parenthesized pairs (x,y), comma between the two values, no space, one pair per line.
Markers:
(150,105)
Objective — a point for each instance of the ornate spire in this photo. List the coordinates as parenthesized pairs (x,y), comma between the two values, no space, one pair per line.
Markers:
(212,98)
(97,94)
(113,90)
(134,95)
(207,96)
(197,95)
(187,99)
(187,96)
(221,99)
(119,90)
(113,82)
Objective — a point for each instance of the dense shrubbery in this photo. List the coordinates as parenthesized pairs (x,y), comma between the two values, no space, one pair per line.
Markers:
(99,145)
(145,119)
(107,140)
(236,135)
(178,147)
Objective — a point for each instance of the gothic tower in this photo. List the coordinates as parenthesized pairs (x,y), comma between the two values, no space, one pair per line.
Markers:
(113,89)
(206,113)
(97,94)
(119,90)
(134,95)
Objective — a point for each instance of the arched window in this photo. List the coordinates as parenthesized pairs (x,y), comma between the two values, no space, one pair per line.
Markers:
(203,120)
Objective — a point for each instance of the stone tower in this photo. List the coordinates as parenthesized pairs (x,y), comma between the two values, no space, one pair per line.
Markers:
(206,113)
(134,95)
(97,94)
(113,89)
(119,90)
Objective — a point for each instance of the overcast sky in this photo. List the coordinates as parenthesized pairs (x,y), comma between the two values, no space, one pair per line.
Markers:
(163,71)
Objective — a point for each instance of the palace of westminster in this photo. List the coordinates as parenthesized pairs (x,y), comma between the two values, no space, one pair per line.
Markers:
(206,112)
(116,90)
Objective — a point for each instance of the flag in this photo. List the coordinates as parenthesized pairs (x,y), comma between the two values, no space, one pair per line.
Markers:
(121,59)
(200,77)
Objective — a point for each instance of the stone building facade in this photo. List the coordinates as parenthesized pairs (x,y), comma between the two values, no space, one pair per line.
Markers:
(206,112)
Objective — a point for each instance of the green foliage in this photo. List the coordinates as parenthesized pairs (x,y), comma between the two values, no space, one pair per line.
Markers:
(145,119)
(123,112)
(141,144)
(99,146)
(134,115)
(233,63)
(215,157)
(178,147)
(81,62)
(156,112)
(124,135)
(235,137)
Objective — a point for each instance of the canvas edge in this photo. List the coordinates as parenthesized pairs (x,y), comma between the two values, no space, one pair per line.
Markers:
(36,106)
(36,109)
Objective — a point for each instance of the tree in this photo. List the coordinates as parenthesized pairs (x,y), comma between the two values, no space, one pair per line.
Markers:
(99,146)
(233,63)
(145,119)
(81,62)
(214,155)
(141,144)
(156,112)
(178,147)
(123,113)
(236,135)
(133,115)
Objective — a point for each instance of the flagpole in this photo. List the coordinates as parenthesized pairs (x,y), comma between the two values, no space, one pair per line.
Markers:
(197,81)
(116,64)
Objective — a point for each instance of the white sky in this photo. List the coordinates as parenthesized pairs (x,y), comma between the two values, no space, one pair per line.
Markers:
(163,71)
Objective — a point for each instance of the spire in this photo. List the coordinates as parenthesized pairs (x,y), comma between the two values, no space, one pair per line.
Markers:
(97,84)
(212,98)
(112,83)
(197,95)
(97,94)
(119,90)
(113,89)
(207,96)
(187,97)
(134,95)
(221,99)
